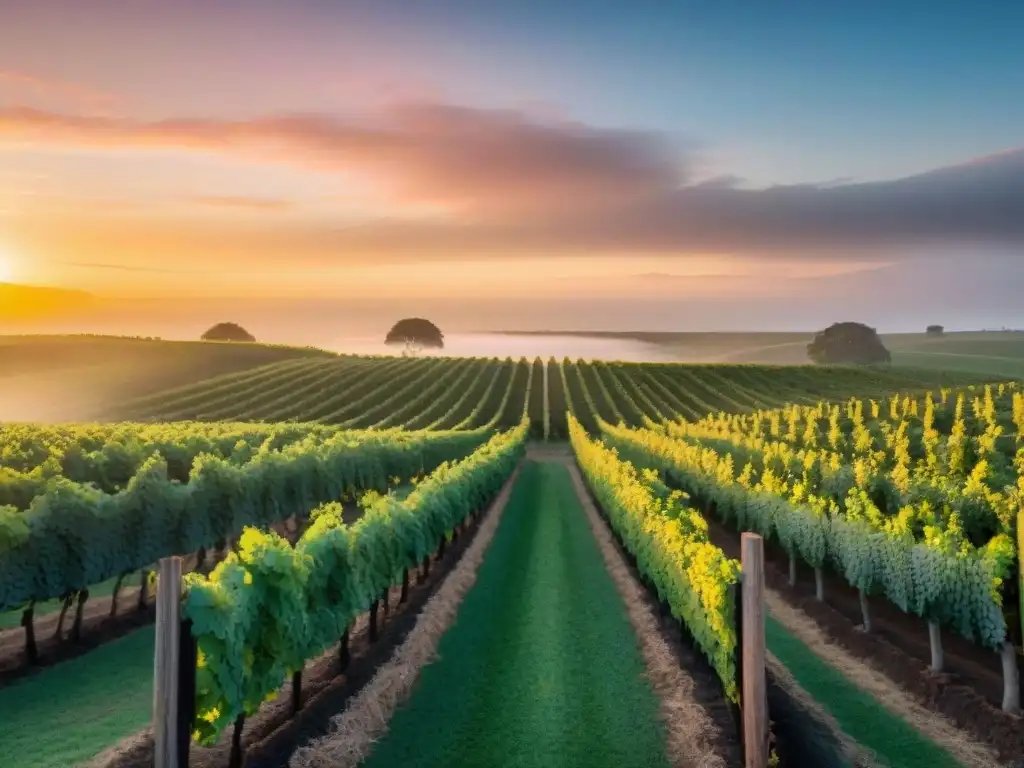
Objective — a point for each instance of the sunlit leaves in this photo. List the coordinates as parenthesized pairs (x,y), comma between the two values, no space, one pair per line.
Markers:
(671,546)
(71,534)
(267,609)
(920,508)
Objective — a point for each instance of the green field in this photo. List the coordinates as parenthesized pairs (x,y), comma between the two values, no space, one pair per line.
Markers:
(69,378)
(462,393)
(890,738)
(993,353)
(542,667)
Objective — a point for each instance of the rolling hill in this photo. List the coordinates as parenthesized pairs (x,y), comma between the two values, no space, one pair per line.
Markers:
(60,378)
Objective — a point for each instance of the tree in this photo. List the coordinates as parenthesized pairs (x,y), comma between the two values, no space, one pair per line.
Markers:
(415,333)
(228,332)
(848,343)
(935,330)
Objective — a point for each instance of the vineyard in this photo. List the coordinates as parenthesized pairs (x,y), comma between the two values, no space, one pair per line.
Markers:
(333,515)
(447,393)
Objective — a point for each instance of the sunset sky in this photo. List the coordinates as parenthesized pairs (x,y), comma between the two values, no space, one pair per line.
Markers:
(732,156)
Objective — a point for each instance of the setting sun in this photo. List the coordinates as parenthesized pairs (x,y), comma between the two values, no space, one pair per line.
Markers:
(6,268)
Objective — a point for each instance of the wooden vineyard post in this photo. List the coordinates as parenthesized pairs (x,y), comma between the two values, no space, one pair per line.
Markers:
(754,695)
(373,620)
(166,664)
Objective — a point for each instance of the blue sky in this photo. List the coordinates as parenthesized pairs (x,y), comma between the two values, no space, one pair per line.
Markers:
(794,91)
(778,92)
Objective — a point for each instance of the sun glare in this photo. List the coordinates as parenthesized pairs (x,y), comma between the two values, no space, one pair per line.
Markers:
(6,268)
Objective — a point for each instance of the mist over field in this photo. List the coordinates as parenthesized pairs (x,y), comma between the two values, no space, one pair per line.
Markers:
(903,304)
(523,345)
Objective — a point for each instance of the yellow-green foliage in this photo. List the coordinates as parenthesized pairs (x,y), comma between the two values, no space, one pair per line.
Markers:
(671,546)
(176,488)
(916,504)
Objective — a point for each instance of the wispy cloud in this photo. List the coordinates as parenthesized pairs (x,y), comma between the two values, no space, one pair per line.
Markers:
(723,181)
(513,182)
(479,160)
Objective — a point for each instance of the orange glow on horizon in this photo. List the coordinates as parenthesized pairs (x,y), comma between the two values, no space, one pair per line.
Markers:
(234,274)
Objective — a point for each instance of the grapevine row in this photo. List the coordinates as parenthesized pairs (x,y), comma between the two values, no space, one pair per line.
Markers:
(938,576)
(357,392)
(109,456)
(265,611)
(672,551)
(71,535)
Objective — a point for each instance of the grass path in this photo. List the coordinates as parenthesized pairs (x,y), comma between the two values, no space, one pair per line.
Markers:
(541,667)
(857,712)
(867,706)
(68,713)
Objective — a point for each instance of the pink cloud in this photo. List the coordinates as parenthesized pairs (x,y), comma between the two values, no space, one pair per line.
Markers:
(507,181)
(480,160)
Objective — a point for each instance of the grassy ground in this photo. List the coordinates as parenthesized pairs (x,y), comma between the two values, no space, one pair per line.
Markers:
(714,347)
(541,667)
(69,713)
(992,353)
(858,714)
